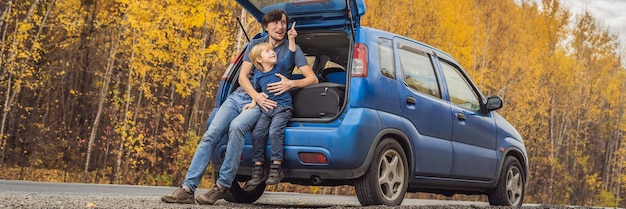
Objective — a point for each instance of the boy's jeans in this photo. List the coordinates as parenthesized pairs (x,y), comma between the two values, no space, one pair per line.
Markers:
(240,123)
(272,123)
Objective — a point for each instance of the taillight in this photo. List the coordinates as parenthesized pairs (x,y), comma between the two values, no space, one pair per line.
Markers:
(228,69)
(359,60)
(313,157)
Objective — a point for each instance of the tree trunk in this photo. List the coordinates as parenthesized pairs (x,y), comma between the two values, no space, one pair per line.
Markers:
(242,20)
(5,112)
(5,108)
(11,97)
(4,14)
(103,95)
(127,102)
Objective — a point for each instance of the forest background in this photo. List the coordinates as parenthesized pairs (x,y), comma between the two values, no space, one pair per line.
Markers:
(118,91)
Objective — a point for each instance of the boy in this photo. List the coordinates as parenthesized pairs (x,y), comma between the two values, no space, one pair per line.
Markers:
(275,119)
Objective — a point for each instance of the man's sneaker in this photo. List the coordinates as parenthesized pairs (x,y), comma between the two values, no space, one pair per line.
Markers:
(179,196)
(275,176)
(210,197)
(258,176)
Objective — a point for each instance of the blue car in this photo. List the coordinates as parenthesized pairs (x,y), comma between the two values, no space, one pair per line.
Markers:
(390,115)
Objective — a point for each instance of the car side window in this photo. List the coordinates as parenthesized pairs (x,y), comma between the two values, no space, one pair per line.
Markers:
(460,91)
(385,55)
(418,71)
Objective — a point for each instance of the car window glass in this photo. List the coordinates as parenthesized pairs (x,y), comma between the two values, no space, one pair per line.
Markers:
(385,55)
(418,71)
(461,93)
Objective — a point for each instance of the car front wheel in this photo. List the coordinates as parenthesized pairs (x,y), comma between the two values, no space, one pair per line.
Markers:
(386,181)
(510,188)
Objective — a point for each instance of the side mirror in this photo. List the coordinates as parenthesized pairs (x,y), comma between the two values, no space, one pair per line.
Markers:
(493,103)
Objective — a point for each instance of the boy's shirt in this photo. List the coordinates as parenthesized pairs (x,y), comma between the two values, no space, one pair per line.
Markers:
(281,51)
(261,79)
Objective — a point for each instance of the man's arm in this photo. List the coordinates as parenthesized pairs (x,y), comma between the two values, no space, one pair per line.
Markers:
(309,77)
(260,98)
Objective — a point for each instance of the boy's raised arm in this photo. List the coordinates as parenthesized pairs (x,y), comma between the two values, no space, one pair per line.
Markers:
(292,37)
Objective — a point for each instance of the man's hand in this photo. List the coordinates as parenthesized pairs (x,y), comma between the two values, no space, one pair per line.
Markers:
(282,86)
(262,100)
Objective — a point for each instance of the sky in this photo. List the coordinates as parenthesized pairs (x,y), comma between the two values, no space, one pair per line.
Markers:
(610,13)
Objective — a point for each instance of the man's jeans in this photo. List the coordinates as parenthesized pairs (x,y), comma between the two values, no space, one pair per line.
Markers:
(240,123)
(272,123)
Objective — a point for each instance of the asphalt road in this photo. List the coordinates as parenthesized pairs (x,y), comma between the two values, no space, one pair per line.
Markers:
(28,194)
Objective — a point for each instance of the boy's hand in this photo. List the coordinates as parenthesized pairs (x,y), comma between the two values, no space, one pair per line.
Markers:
(264,102)
(249,105)
(292,33)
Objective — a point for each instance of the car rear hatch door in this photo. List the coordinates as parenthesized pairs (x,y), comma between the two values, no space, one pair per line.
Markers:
(311,14)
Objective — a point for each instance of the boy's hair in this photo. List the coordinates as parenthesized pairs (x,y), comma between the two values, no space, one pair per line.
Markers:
(255,52)
(273,16)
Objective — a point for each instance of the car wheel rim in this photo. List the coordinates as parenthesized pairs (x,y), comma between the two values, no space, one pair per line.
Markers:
(514,185)
(391,175)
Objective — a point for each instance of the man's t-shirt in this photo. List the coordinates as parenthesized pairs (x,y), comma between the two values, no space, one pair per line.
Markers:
(281,51)
(261,79)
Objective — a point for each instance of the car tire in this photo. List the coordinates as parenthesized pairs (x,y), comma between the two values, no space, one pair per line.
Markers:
(238,194)
(387,178)
(511,185)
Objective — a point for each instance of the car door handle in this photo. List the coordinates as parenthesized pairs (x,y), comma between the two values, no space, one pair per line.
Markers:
(410,100)
(460,116)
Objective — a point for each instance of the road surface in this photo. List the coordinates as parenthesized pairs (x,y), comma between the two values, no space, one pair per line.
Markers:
(29,194)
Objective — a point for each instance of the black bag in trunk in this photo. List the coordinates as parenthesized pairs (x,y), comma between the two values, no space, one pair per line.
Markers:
(318,101)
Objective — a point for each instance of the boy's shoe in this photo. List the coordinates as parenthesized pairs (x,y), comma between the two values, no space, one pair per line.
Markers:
(275,176)
(210,197)
(179,196)
(258,176)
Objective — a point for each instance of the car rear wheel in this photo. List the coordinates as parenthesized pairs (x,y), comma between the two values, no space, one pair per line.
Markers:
(386,181)
(510,188)
(239,193)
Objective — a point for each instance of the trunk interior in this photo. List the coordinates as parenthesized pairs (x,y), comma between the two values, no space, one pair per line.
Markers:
(328,55)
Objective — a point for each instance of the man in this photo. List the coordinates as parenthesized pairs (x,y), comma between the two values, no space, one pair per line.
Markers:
(238,116)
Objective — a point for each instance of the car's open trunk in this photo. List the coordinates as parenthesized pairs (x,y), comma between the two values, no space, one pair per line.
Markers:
(328,54)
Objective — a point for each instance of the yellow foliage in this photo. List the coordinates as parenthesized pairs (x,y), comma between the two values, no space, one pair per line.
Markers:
(608,199)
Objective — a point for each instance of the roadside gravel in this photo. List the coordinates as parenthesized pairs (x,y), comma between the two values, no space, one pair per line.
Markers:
(87,200)
(73,200)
